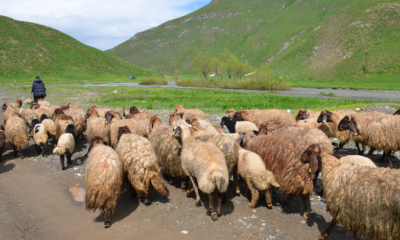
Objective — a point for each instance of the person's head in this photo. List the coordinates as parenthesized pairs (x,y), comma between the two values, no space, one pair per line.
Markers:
(37,77)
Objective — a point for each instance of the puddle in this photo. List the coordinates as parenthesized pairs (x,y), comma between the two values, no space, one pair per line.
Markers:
(78,193)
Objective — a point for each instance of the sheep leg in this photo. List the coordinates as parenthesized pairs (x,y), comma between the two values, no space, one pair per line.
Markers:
(219,201)
(107,223)
(190,189)
(288,200)
(183,184)
(62,162)
(382,157)
(268,198)
(196,190)
(37,149)
(171,181)
(42,149)
(15,151)
(254,194)
(340,147)
(69,156)
(247,191)
(307,212)
(328,231)
(21,155)
(389,158)
(235,180)
(371,151)
(213,213)
(358,148)
(83,136)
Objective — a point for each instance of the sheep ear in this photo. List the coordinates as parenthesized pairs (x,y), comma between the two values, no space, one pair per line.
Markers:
(176,130)
(314,165)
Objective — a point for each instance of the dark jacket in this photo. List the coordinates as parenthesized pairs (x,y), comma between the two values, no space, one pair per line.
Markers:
(38,88)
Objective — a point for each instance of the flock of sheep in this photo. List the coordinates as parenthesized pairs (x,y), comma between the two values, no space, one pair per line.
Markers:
(264,147)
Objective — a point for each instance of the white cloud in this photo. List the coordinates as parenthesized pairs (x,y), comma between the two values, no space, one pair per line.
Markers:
(99,23)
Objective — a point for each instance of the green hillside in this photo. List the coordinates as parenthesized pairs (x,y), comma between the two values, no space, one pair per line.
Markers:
(28,49)
(298,39)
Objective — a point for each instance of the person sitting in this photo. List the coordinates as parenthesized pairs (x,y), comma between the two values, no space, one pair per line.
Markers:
(38,89)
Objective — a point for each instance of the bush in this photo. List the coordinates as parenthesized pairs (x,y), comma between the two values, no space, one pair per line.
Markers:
(153,81)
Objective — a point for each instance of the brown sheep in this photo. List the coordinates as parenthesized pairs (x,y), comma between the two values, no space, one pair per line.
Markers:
(294,163)
(168,151)
(41,110)
(125,111)
(100,110)
(205,162)
(199,123)
(97,126)
(28,115)
(274,116)
(218,128)
(17,133)
(49,124)
(104,176)
(230,113)
(78,115)
(135,126)
(181,109)
(2,141)
(61,123)
(139,115)
(328,128)
(140,163)
(363,199)
(8,112)
(304,114)
(266,128)
(112,116)
(42,102)
(17,104)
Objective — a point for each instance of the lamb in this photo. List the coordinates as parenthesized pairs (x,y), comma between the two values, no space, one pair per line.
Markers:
(135,126)
(378,133)
(307,135)
(97,126)
(17,133)
(39,136)
(2,141)
(49,125)
(206,163)
(104,177)
(168,151)
(294,163)
(140,163)
(28,115)
(252,169)
(66,145)
(235,126)
(181,109)
(8,112)
(274,116)
(363,199)
(61,122)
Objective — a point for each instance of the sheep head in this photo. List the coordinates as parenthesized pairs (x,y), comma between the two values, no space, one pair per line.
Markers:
(4,107)
(122,131)
(57,112)
(397,112)
(348,123)
(34,122)
(179,108)
(112,114)
(230,113)
(263,130)
(237,116)
(125,111)
(154,121)
(325,116)
(302,115)
(313,156)
(133,110)
(245,137)
(91,113)
(19,102)
(43,117)
(174,117)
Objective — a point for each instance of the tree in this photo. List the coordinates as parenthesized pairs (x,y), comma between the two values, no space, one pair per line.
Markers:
(229,60)
(177,74)
(201,64)
(215,64)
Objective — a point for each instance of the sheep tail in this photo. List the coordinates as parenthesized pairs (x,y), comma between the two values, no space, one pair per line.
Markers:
(219,181)
(262,182)
(59,150)
(158,185)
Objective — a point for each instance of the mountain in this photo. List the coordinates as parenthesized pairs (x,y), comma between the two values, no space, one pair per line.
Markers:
(298,39)
(28,49)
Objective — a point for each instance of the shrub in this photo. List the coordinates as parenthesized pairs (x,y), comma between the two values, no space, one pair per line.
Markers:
(153,81)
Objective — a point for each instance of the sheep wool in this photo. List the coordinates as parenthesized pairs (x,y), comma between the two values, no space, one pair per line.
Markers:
(8,113)
(328,128)
(274,116)
(135,126)
(104,176)
(140,164)
(50,126)
(252,169)
(28,115)
(17,133)
(40,137)
(97,126)
(61,122)
(181,109)
(65,146)
(364,200)
(357,161)
(2,141)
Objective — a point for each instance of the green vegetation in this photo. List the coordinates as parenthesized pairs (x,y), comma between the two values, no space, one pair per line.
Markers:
(153,81)
(310,43)
(177,74)
(328,94)
(28,49)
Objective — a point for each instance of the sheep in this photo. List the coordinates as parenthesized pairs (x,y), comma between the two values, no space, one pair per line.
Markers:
(252,169)
(378,133)
(125,111)
(199,123)
(112,116)
(2,141)
(28,115)
(266,128)
(294,163)
(230,113)
(181,109)
(17,133)
(17,104)
(139,115)
(39,136)
(97,126)
(8,112)
(175,117)
(335,117)
(40,110)
(218,128)
(66,145)
(78,116)
(306,114)
(307,135)
(140,163)
(104,177)
(42,102)
(61,122)
(275,116)
(168,151)
(238,126)
(357,160)
(135,126)
(100,110)
(397,112)
(49,125)
(363,199)
(328,128)
(205,162)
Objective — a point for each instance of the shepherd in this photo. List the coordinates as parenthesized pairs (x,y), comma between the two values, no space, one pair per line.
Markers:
(38,89)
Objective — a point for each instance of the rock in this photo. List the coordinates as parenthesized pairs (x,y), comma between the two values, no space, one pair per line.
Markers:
(358,109)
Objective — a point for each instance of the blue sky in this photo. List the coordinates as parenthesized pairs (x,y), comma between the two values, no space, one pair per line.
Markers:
(102,24)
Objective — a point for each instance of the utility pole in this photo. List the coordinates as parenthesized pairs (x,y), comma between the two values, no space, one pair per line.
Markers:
(366,63)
